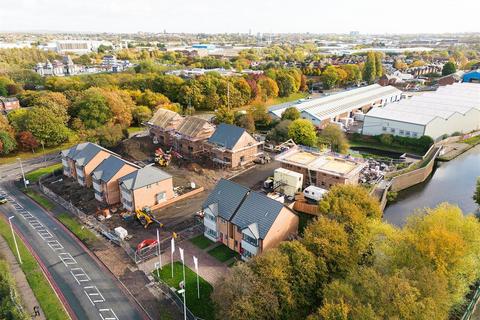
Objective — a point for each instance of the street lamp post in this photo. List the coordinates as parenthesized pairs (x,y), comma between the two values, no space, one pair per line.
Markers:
(14,239)
(23,173)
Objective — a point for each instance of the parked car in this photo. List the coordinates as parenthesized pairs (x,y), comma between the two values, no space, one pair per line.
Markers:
(3,200)
(262,159)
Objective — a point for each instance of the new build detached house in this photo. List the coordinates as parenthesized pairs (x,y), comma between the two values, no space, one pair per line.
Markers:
(246,221)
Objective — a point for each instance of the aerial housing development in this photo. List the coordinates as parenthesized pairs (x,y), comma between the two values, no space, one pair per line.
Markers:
(257,168)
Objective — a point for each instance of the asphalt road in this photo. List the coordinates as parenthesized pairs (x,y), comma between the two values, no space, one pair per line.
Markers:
(89,290)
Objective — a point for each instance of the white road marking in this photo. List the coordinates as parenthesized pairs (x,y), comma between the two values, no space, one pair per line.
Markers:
(55,245)
(45,234)
(79,275)
(93,294)
(37,225)
(67,259)
(107,314)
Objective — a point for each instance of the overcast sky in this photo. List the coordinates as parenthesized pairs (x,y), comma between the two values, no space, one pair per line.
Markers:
(216,16)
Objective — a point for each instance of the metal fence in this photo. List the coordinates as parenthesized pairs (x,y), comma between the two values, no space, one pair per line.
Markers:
(471,306)
(177,299)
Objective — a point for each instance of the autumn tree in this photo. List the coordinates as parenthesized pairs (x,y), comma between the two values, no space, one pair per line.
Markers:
(141,114)
(91,108)
(110,135)
(224,115)
(291,113)
(45,126)
(378,64)
(303,132)
(279,133)
(335,137)
(27,141)
(245,121)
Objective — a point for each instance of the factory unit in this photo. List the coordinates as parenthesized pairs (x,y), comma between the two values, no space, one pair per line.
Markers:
(341,107)
(321,169)
(450,109)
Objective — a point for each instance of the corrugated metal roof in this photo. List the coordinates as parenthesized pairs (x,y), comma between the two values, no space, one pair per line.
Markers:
(143,177)
(446,101)
(338,103)
(257,211)
(227,195)
(226,135)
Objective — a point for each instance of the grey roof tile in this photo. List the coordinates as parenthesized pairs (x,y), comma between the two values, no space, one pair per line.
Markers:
(227,195)
(108,168)
(257,209)
(143,177)
(226,135)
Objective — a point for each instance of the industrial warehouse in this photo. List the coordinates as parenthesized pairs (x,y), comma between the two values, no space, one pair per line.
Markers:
(340,107)
(450,109)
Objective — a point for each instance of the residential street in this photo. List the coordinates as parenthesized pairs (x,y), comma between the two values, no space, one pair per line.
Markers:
(88,289)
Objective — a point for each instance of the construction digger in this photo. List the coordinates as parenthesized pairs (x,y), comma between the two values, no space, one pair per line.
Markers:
(145,217)
(163,158)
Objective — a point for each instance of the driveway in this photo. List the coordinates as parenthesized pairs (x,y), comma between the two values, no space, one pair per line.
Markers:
(255,177)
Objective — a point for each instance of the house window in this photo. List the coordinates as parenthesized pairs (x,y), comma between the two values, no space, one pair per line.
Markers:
(211,232)
(161,197)
(392,130)
(402,132)
(210,217)
(414,134)
(247,254)
(407,133)
(149,186)
(242,158)
(249,239)
(190,148)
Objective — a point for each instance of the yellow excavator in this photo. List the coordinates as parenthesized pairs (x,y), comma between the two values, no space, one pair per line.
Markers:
(145,217)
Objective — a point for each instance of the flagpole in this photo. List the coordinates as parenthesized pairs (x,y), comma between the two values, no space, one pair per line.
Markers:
(172,245)
(184,284)
(195,262)
(159,250)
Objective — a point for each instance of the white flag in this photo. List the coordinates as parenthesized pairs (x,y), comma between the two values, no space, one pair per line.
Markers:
(195,262)
(181,253)
(172,245)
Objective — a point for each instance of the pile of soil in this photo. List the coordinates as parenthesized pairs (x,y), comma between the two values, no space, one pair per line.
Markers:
(137,148)
(195,168)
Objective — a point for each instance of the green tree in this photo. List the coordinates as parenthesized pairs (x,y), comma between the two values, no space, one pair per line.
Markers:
(449,68)
(303,132)
(245,121)
(335,137)
(110,135)
(378,64)
(46,126)
(223,115)
(7,142)
(369,69)
(141,114)
(329,77)
(286,84)
(91,108)
(291,113)
(279,133)
(476,195)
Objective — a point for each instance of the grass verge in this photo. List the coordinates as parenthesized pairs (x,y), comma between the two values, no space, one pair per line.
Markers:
(201,242)
(34,175)
(202,307)
(11,303)
(29,155)
(44,202)
(51,305)
(78,229)
(473,141)
(222,253)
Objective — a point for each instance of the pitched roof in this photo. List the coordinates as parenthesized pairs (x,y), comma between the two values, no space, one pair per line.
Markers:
(108,168)
(143,177)
(226,135)
(162,118)
(257,213)
(73,151)
(227,195)
(84,156)
(193,126)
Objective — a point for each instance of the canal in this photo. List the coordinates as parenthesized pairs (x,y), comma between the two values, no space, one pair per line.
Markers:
(452,182)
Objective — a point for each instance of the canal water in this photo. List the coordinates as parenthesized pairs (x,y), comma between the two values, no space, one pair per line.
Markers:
(452,182)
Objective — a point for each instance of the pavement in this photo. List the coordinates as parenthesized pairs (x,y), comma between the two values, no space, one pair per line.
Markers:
(28,299)
(85,286)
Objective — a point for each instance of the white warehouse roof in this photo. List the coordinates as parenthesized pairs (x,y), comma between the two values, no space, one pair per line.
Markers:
(445,102)
(336,104)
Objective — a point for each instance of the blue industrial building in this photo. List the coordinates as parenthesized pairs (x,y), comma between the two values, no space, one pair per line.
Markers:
(472,76)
